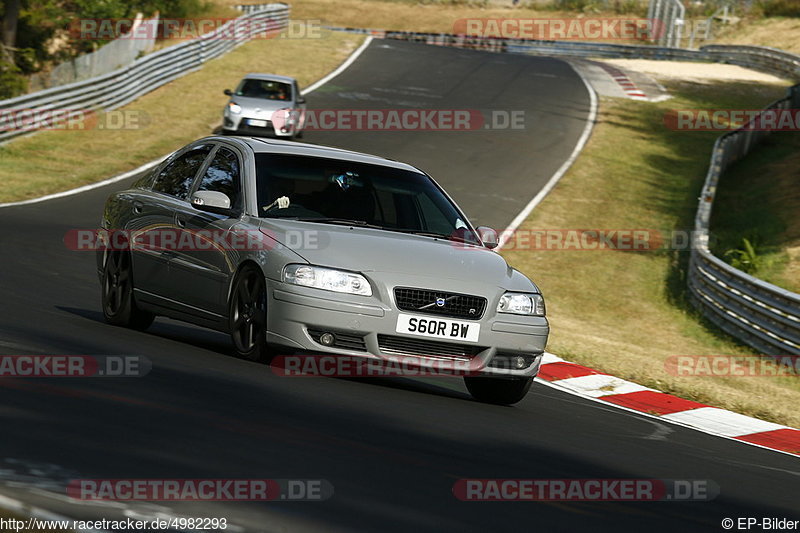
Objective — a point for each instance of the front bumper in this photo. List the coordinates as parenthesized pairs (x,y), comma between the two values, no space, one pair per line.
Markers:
(239,125)
(297,315)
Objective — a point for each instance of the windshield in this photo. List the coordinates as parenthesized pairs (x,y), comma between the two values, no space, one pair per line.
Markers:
(335,191)
(270,90)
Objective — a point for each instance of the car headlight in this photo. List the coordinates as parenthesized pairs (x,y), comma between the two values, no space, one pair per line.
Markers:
(520,303)
(327,279)
(234,108)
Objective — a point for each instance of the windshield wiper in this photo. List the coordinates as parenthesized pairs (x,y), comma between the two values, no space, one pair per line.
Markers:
(339,221)
(434,234)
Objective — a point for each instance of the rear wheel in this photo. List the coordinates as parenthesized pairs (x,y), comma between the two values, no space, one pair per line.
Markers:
(248,315)
(119,306)
(500,391)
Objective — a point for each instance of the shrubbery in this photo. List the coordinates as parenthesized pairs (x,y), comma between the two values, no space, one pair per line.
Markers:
(780,8)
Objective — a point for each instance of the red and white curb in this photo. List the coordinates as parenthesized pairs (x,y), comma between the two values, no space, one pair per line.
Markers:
(586,382)
(625,83)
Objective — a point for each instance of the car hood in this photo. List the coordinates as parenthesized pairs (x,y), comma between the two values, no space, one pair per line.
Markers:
(261,105)
(372,250)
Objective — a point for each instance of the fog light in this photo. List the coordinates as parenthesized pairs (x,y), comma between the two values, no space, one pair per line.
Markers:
(327,339)
(520,362)
(284,129)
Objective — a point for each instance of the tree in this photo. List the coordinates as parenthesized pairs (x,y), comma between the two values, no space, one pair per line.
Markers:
(10,19)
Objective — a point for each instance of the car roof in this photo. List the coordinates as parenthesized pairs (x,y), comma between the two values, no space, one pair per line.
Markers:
(277,146)
(269,77)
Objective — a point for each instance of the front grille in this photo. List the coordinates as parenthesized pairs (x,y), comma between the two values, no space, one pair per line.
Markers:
(345,341)
(392,345)
(244,125)
(425,301)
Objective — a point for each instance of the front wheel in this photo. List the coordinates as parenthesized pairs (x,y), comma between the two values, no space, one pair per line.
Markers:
(499,391)
(119,306)
(248,315)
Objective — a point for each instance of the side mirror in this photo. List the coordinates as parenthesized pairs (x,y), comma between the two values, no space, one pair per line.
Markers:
(213,201)
(488,236)
(228,92)
(301,100)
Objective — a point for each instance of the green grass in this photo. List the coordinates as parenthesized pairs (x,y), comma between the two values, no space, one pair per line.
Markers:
(626,312)
(758,199)
(168,118)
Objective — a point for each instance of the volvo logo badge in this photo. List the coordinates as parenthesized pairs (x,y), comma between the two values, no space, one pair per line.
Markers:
(439,302)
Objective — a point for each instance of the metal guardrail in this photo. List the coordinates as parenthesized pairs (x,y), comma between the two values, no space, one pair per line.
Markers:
(123,85)
(770,60)
(762,58)
(763,315)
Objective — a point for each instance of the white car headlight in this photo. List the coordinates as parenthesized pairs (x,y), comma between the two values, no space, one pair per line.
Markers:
(234,108)
(519,303)
(327,279)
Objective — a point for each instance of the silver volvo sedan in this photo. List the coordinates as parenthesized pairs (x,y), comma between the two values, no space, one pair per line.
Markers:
(294,248)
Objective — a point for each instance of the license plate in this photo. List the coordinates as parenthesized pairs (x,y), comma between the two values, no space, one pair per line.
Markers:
(439,328)
(256,122)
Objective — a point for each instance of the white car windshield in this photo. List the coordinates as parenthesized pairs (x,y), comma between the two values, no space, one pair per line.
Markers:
(269,90)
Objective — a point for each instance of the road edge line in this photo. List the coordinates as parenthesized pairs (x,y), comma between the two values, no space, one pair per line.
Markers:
(555,178)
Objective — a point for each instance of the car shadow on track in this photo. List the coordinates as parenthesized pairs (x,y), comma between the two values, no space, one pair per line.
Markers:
(214,341)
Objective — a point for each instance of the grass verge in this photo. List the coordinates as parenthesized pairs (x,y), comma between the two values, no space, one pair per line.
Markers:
(440,16)
(758,199)
(435,17)
(161,121)
(777,32)
(625,313)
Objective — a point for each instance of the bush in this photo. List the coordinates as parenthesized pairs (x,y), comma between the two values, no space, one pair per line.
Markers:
(745,259)
(12,82)
(780,8)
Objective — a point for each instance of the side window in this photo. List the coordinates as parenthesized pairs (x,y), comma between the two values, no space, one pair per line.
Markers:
(177,177)
(434,219)
(144,181)
(223,176)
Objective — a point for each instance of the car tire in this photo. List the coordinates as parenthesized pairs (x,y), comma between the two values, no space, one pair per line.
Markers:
(499,391)
(119,304)
(247,315)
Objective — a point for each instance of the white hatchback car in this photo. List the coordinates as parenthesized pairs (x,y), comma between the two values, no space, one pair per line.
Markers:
(265,105)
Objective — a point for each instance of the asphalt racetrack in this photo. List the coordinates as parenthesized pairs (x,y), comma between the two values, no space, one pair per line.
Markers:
(392,448)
